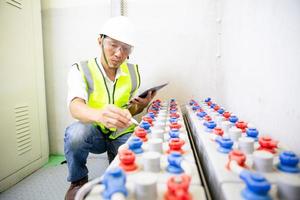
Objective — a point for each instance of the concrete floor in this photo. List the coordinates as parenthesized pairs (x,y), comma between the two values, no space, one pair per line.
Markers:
(50,182)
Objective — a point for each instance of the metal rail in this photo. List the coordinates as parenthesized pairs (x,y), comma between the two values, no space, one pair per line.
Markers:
(196,155)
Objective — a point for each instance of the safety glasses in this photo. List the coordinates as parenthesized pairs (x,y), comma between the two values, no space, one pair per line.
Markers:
(115,46)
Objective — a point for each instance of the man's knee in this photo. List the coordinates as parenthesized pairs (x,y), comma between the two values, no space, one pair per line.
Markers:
(77,134)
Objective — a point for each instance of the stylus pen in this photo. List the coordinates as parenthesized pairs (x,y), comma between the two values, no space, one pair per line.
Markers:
(134,121)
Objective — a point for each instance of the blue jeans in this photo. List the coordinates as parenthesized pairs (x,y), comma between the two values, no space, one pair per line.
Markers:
(80,139)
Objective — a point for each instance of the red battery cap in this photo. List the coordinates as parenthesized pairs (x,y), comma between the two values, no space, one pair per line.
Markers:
(148,119)
(267,144)
(241,125)
(178,188)
(216,108)
(207,118)
(226,114)
(141,133)
(175,125)
(175,144)
(218,131)
(237,156)
(127,158)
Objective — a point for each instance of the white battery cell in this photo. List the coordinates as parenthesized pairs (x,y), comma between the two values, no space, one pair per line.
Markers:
(263,161)
(151,161)
(289,187)
(226,126)
(235,133)
(156,145)
(157,133)
(145,186)
(246,145)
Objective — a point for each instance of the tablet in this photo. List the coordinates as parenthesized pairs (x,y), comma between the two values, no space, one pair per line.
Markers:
(156,88)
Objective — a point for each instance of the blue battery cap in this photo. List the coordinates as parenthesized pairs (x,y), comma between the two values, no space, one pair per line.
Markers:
(207,99)
(233,119)
(114,181)
(173,119)
(194,108)
(173,111)
(257,187)
(155,108)
(201,114)
(225,144)
(174,133)
(135,145)
(145,125)
(192,102)
(252,133)
(213,105)
(174,160)
(288,162)
(152,115)
(221,111)
(210,125)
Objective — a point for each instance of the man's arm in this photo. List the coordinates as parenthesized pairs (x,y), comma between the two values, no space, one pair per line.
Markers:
(111,116)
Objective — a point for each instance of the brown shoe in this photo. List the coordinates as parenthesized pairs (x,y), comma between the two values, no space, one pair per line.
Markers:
(74,187)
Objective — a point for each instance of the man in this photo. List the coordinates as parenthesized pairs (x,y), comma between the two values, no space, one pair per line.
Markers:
(100,98)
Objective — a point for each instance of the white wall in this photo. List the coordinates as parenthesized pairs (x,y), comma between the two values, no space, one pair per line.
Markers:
(176,43)
(70,30)
(259,74)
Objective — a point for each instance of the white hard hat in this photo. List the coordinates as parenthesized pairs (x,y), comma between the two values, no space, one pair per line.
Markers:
(120,28)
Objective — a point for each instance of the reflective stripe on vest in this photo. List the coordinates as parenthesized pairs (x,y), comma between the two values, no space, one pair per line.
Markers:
(88,77)
(99,96)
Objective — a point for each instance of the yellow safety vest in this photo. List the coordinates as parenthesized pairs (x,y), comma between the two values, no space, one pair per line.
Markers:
(98,94)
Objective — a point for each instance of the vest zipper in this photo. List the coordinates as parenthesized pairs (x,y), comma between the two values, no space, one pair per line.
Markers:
(104,81)
(113,94)
(139,77)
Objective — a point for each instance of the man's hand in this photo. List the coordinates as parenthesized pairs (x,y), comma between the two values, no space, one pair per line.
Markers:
(113,117)
(143,102)
(138,104)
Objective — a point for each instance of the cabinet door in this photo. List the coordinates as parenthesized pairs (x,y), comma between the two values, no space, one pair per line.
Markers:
(20,139)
